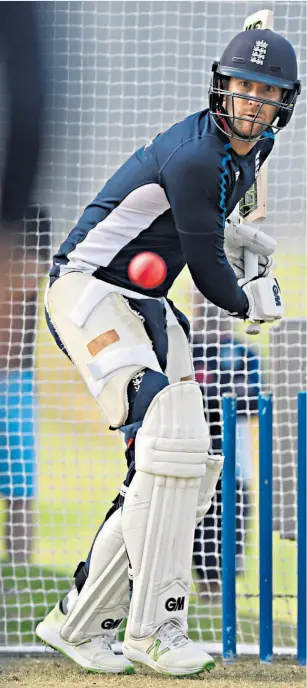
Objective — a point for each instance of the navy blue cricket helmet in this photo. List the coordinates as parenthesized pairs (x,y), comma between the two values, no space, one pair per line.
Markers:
(256,55)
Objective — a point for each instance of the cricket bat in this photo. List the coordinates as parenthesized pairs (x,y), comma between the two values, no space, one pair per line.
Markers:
(253,205)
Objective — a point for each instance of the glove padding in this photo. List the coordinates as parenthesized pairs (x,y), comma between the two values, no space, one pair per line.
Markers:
(264,298)
(241,236)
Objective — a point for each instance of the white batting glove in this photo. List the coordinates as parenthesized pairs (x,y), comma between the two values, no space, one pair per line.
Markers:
(264,298)
(241,236)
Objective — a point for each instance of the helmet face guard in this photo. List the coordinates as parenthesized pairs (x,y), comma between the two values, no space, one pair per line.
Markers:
(218,92)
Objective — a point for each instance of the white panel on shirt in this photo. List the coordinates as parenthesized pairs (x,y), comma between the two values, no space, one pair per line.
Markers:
(134,214)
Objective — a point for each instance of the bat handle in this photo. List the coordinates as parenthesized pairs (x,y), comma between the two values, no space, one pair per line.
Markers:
(250,271)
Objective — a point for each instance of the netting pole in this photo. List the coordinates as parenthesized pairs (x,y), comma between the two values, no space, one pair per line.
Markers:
(265,527)
(301,528)
(229,405)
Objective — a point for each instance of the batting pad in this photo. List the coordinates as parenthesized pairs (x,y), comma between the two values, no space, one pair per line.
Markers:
(104,599)
(160,508)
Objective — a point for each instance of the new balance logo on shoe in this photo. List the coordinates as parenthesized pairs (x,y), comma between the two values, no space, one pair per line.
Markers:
(173,604)
(155,649)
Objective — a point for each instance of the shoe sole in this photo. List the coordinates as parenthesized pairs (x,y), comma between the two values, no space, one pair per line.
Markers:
(52,640)
(139,658)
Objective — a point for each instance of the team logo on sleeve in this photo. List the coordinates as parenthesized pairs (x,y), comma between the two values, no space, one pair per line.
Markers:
(259,52)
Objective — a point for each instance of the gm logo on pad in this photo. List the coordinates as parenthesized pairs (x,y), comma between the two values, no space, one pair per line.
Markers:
(173,604)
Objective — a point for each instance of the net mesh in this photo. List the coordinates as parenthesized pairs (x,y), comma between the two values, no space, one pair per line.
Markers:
(117,74)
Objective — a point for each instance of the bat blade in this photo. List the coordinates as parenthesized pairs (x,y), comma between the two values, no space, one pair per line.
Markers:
(263,19)
(253,205)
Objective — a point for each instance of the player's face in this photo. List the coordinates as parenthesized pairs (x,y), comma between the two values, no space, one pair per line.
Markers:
(248,108)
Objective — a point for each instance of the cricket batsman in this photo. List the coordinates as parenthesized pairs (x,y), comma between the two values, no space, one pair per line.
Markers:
(172,197)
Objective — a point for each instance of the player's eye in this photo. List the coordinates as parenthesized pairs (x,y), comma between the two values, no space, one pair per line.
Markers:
(245,84)
(270,89)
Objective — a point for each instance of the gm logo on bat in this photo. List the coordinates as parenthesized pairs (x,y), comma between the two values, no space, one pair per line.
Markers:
(255,25)
(276,292)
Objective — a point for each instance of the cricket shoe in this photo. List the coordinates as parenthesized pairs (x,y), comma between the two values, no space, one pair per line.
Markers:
(94,654)
(168,651)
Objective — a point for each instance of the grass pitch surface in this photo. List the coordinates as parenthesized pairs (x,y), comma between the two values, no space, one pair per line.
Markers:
(55,672)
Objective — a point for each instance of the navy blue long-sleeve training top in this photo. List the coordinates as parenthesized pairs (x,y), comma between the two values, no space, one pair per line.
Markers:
(172,196)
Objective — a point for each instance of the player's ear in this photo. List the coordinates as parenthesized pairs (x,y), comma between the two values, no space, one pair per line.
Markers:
(224,86)
(289,98)
(218,83)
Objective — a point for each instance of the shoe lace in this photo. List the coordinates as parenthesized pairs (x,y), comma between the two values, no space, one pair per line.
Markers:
(98,643)
(104,642)
(172,633)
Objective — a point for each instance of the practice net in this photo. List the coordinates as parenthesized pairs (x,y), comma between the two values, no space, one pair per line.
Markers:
(117,74)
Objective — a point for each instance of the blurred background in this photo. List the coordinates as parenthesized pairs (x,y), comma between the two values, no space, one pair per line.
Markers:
(112,76)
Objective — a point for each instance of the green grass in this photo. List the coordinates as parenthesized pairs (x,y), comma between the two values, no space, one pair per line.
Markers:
(207,625)
(27,595)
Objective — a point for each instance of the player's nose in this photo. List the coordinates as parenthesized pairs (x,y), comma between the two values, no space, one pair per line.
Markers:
(253,105)
(256,91)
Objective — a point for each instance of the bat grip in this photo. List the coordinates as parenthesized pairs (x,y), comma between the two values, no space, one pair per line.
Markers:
(250,271)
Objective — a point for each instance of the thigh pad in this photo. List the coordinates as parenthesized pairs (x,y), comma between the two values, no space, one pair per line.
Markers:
(104,337)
